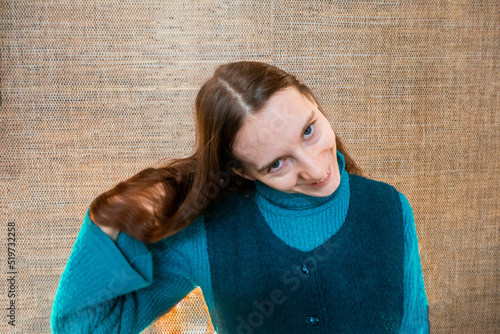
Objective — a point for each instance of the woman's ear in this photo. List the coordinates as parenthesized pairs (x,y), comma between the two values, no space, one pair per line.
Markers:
(239,171)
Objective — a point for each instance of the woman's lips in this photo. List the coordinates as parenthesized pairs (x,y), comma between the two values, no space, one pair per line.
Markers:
(323,181)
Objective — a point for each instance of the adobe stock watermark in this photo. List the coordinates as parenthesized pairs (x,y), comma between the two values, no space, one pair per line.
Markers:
(292,278)
(12,273)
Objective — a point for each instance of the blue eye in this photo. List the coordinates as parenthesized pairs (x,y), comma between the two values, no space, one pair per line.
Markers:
(309,131)
(277,164)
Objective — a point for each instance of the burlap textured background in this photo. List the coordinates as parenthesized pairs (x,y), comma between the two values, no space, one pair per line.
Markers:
(94,91)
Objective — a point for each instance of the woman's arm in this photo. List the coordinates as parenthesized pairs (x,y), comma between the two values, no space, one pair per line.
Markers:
(116,287)
(415,318)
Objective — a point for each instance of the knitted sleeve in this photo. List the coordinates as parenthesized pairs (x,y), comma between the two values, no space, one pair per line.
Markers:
(415,318)
(117,287)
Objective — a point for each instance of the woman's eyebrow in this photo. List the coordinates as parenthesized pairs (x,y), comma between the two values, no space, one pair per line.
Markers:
(306,124)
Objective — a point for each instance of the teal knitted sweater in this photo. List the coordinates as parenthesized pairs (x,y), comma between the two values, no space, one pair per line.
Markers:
(124,286)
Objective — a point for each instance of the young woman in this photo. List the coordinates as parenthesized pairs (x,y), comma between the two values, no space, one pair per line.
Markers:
(270,217)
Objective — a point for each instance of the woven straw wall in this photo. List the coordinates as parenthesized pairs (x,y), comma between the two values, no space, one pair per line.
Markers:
(94,91)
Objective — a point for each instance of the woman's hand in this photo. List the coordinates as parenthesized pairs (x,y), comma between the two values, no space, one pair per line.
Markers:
(139,206)
(110,231)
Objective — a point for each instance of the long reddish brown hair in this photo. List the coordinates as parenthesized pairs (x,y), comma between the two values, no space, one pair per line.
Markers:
(159,202)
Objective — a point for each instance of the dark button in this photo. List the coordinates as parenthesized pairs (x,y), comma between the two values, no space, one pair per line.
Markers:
(304,269)
(314,321)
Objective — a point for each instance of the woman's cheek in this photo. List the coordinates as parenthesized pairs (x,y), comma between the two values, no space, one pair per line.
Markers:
(289,182)
(327,141)
(282,183)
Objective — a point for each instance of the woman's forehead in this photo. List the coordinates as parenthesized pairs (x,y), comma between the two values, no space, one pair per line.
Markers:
(274,129)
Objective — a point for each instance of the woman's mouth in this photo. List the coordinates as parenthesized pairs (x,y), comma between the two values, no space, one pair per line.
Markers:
(324,180)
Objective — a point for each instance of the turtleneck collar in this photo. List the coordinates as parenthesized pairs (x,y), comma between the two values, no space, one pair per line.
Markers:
(298,201)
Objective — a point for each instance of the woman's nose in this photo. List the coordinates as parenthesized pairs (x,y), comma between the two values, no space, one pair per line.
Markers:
(310,167)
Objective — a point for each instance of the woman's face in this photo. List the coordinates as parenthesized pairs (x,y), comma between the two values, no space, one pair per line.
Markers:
(290,146)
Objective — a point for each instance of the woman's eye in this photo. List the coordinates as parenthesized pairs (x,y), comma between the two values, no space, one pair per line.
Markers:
(277,164)
(309,131)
